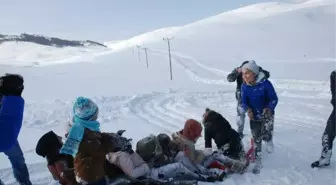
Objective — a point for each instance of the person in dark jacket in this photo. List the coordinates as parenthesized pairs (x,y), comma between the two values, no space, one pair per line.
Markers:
(11,116)
(236,75)
(259,99)
(225,137)
(330,130)
(59,165)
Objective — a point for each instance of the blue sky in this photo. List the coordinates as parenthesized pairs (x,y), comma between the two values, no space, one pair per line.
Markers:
(105,19)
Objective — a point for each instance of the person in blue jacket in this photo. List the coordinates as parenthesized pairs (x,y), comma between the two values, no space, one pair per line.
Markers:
(259,99)
(11,116)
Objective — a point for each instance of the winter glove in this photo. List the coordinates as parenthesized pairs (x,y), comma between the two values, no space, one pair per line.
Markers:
(225,149)
(121,143)
(250,114)
(120,132)
(267,116)
(267,113)
(11,84)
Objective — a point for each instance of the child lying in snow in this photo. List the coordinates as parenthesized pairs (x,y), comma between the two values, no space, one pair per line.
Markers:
(151,161)
(197,160)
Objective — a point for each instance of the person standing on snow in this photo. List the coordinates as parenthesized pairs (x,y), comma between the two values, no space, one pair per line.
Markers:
(11,116)
(236,75)
(259,99)
(330,130)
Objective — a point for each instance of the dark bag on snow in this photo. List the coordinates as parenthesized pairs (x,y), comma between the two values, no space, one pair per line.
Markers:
(148,147)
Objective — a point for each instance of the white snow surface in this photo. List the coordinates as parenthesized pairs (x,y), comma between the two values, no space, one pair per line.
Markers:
(295,42)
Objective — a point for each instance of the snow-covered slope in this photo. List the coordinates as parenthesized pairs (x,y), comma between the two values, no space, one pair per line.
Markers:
(296,45)
(31,54)
(149,37)
(266,31)
(37,50)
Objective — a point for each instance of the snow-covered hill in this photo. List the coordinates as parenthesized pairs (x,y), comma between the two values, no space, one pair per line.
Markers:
(37,50)
(295,42)
(266,31)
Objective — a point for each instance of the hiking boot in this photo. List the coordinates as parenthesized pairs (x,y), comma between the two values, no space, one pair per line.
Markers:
(257,167)
(323,161)
(222,176)
(270,146)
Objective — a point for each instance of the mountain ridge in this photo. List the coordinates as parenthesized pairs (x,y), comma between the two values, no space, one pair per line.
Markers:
(47,41)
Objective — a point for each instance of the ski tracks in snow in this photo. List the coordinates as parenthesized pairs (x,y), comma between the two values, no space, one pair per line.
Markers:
(295,127)
(201,73)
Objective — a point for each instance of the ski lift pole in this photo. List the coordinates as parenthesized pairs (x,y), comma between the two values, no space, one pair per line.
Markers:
(170,63)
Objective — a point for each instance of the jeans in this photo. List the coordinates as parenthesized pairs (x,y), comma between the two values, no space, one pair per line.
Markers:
(19,166)
(261,130)
(241,113)
(329,133)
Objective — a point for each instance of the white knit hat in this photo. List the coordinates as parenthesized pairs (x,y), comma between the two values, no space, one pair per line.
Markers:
(252,66)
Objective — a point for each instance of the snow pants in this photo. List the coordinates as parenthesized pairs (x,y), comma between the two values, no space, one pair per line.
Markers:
(202,167)
(20,170)
(235,165)
(241,114)
(329,133)
(261,130)
(177,171)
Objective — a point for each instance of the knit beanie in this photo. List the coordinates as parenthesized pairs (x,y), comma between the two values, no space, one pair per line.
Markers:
(245,62)
(85,109)
(252,66)
(48,144)
(192,129)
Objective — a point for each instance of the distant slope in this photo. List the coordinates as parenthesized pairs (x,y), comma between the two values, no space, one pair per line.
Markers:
(37,50)
(48,41)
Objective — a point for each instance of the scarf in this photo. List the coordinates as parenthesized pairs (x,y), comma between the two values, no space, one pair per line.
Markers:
(71,144)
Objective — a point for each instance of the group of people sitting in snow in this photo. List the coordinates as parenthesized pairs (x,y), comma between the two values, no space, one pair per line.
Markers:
(88,156)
